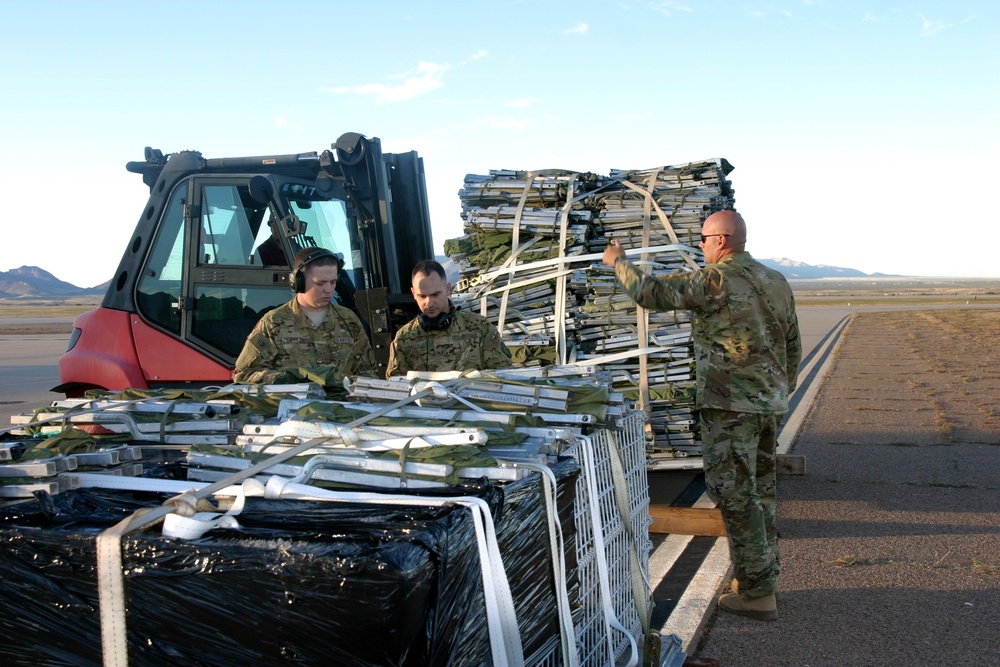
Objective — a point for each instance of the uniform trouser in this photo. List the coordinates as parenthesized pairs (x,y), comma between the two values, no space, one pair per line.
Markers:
(740,476)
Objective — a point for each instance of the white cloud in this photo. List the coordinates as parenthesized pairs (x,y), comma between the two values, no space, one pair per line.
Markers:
(429,77)
(282,122)
(633,118)
(578,29)
(423,145)
(931,28)
(871,18)
(668,6)
(505,123)
(476,101)
(481,53)
(522,102)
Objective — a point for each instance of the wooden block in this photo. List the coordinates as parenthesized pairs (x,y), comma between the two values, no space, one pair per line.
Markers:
(686,520)
(790,464)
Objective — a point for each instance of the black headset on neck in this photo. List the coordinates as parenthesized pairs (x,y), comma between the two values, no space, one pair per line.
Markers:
(297,278)
(439,322)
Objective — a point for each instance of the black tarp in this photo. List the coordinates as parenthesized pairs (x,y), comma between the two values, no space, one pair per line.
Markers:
(301,583)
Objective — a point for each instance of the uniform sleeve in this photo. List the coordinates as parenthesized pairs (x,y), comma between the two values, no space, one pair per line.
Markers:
(793,351)
(672,292)
(256,363)
(362,356)
(394,366)
(494,352)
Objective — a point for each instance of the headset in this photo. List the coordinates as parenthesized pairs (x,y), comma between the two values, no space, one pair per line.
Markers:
(439,322)
(297,278)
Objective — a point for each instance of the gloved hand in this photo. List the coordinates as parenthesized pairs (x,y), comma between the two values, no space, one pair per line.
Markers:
(321,375)
(288,376)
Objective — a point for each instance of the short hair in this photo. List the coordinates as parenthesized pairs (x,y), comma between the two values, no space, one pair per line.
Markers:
(427,267)
(323,257)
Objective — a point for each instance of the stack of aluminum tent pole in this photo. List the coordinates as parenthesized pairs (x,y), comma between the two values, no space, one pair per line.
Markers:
(555,302)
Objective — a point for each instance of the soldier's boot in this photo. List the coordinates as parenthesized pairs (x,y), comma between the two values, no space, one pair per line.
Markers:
(735,586)
(762,609)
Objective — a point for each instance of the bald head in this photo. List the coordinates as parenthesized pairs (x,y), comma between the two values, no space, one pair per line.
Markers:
(729,223)
(724,233)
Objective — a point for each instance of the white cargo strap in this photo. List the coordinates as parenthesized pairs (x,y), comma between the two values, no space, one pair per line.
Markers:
(188,524)
(641,314)
(560,299)
(440,392)
(612,622)
(640,583)
(111,577)
(593,257)
(515,241)
(505,635)
(567,632)
(663,217)
(617,356)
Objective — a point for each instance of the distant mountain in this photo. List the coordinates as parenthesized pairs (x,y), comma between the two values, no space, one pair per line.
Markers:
(450,268)
(31,281)
(793,270)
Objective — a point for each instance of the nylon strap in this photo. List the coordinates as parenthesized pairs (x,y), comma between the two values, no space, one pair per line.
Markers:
(560,304)
(567,632)
(611,618)
(664,218)
(640,584)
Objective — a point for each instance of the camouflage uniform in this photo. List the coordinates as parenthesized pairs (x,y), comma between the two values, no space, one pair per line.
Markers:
(747,354)
(285,347)
(469,343)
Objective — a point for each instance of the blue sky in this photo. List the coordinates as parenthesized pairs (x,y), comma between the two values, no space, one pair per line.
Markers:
(863,133)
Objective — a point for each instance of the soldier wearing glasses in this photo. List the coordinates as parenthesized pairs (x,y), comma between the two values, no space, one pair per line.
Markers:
(747,350)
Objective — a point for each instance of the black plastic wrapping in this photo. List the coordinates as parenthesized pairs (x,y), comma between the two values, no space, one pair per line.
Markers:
(302,583)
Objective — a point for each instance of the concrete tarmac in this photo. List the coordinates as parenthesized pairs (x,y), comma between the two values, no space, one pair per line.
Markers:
(890,540)
(28,370)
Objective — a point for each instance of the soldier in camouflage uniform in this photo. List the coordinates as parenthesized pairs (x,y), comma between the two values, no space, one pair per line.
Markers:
(310,338)
(442,337)
(747,353)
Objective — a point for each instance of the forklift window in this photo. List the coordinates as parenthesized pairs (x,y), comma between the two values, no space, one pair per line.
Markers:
(225,233)
(159,288)
(223,316)
(267,249)
(326,225)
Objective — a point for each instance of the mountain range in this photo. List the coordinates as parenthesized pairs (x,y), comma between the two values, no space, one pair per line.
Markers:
(793,270)
(34,282)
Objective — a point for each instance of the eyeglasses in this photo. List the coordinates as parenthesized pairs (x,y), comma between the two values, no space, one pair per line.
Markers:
(705,237)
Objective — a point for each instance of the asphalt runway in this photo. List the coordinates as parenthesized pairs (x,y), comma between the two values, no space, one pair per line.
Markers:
(28,370)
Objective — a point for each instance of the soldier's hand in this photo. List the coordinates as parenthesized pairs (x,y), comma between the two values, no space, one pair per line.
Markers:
(322,375)
(613,252)
(287,376)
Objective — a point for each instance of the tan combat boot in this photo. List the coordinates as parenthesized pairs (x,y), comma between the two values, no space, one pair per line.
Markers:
(763,608)
(734,585)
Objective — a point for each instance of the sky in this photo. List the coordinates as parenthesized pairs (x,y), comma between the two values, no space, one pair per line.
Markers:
(863,133)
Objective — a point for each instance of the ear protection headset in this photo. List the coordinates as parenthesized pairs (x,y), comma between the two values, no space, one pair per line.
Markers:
(439,322)
(297,278)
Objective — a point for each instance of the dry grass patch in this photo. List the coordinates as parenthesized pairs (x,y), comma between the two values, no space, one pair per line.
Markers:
(853,560)
(983,568)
